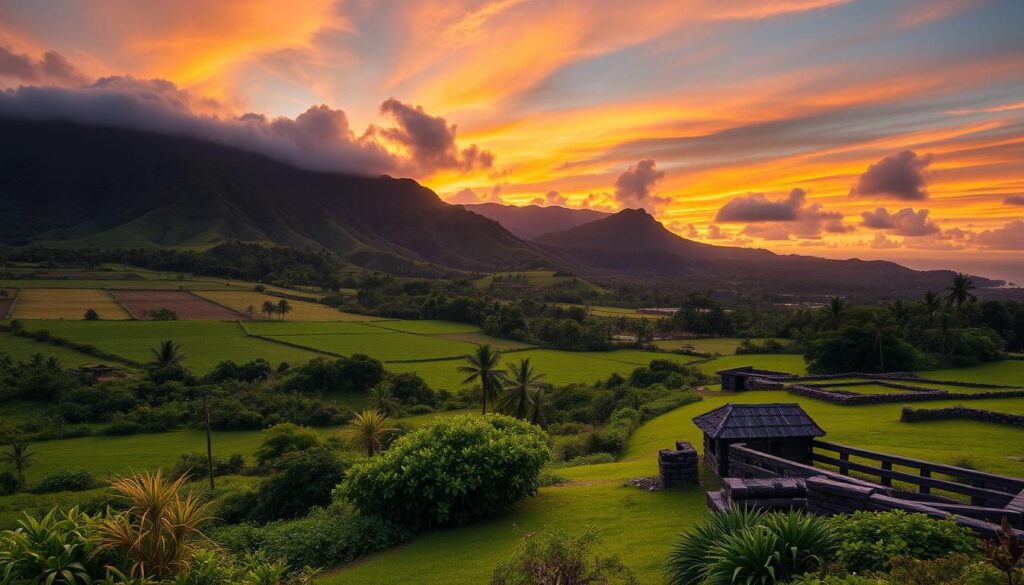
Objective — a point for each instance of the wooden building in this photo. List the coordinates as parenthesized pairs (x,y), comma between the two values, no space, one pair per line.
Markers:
(784,430)
(738,379)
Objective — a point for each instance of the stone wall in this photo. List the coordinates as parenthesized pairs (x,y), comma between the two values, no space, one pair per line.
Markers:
(678,467)
(959,412)
(916,395)
(784,493)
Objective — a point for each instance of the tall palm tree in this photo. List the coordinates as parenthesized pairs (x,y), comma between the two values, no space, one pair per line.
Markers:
(932,305)
(482,367)
(835,309)
(900,313)
(882,329)
(269,308)
(540,406)
(368,430)
(523,379)
(382,399)
(20,458)
(959,293)
(283,308)
(168,354)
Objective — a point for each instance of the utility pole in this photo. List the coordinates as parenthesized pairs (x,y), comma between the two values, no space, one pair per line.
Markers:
(209,443)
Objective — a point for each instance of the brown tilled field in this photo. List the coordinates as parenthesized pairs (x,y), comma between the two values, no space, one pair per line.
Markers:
(185,304)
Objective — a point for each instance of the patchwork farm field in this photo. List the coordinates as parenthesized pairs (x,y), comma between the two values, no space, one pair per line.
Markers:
(187,306)
(240,301)
(206,342)
(21,348)
(135,283)
(56,303)
(384,346)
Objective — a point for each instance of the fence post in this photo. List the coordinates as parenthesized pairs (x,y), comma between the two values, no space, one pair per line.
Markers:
(923,489)
(885,480)
(978,500)
(844,456)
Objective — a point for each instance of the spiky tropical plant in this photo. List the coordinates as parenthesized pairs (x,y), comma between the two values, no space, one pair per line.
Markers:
(482,367)
(20,458)
(368,430)
(168,354)
(159,532)
(522,381)
(688,560)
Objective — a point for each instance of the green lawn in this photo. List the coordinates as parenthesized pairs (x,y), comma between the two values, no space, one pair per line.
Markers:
(867,389)
(1008,372)
(205,342)
(428,327)
(310,327)
(21,348)
(783,362)
(383,346)
(719,345)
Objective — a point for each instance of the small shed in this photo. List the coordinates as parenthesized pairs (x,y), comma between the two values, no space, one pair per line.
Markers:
(738,379)
(782,429)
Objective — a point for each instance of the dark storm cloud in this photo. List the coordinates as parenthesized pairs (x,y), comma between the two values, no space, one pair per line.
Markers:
(756,207)
(905,222)
(903,175)
(1014,200)
(51,69)
(430,139)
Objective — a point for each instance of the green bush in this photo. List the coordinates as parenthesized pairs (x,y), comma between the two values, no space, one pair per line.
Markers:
(57,549)
(592,459)
(286,438)
(324,538)
(871,539)
(303,480)
(749,546)
(196,465)
(556,556)
(66,481)
(9,483)
(452,471)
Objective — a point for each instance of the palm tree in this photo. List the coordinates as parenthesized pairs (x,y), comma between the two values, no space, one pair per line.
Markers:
(283,308)
(932,305)
(900,313)
(882,329)
(250,312)
(269,308)
(482,367)
(368,430)
(539,402)
(159,533)
(168,354)
(835,309)
(382,399)
(20,458)
(522,381)
(959,293)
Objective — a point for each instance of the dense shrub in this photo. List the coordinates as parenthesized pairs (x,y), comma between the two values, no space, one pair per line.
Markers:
(9,483)
(302,481)
(556,556)
(66,481)
(324,538)
(592,459)
(410,389)
(855,348)
(452,471)
(286,438)
(196,465)
(257,369)
(871,539)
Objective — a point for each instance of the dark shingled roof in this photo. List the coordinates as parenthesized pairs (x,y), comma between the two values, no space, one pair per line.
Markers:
(750,370)
(758,421)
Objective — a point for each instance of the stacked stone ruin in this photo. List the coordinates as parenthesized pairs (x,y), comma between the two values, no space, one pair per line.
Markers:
(678,467)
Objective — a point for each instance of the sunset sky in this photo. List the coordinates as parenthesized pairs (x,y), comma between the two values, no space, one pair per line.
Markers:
(874,129)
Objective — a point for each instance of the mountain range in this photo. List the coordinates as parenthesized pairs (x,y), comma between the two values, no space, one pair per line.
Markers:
(68,185)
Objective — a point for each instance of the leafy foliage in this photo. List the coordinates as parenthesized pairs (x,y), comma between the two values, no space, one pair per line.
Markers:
(284,438)
(557,556)
(301,481)
(452,471)
(65,481)
(871,539)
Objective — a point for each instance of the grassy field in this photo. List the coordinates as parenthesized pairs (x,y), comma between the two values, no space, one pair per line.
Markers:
(719,345)
(60,303)
(868,389)
(21,348)
(240,300)
(383,346)
(484,339)
(134,283)
(783,362)
(428,327)
(539,278)
(205,342)
(1008,372)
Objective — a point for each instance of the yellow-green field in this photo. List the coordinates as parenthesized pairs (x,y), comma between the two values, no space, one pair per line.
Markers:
(59,303)
(241,300)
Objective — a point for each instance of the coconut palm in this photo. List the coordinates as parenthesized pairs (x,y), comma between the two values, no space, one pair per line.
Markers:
(159,532)
(382,399)
(882,329)
(269,308)
(539,406)
(250,312)
(482,367)
(523,379)
(932,305)
(959,293)
(368,430)
(283,308)
(168,354)
(900,312)
(20,458)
